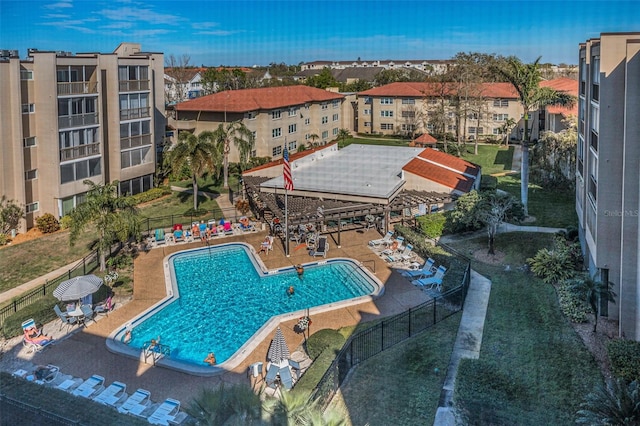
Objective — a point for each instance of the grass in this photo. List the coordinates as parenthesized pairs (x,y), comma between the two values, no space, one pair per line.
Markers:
(46,399)
(533,368)
(402,385)
(492,158)
(550,208)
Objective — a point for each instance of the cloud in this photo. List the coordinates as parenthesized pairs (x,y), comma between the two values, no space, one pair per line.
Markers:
(218,32)
(140,15)
(73,24)
(58,5)
(204,25)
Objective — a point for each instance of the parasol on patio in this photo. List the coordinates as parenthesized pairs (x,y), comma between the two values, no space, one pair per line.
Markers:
(77,287)
(278,351)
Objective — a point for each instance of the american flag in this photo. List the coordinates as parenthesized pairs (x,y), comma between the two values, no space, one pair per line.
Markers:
(286,171)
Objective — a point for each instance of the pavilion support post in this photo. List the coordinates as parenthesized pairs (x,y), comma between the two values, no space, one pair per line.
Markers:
(387,218)
(339,229)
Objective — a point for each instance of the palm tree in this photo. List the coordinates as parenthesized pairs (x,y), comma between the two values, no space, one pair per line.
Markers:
(594,292)
(525,79)
(617,405)
(313,138)
(199,153)
(112,215)
(243,140)
(344,134)
(295,409)
(506,128)
(228,405)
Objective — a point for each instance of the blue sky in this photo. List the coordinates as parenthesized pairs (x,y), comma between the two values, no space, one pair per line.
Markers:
(260,32)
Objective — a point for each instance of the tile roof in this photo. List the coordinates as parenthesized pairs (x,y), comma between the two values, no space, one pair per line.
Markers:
(439,174)
(258,99)
(562,84)
(450,161)
(424,139)
(292,157)
(422,89)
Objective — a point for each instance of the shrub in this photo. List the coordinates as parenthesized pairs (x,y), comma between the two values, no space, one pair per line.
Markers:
(488,183)
(432,225)
(322,339)
(464,218)
(625,358)
(65,222)
(197,213)
(10,215)
(150,195)
(554,265)
(47,223)
(4,239)
(572,303)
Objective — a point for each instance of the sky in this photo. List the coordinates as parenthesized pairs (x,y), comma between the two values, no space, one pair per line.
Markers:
(247,33)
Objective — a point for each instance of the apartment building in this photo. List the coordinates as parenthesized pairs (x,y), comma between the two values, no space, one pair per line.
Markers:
(67,118)
(608,168)
(294,115)
(430,66)
(410,108)
(182,84)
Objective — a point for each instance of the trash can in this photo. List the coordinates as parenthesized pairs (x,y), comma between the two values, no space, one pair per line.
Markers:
(13,233)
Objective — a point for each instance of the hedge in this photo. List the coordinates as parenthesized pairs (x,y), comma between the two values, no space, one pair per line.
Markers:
(625,358)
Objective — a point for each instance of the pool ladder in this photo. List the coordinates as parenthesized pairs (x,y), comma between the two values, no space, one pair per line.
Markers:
(155,351)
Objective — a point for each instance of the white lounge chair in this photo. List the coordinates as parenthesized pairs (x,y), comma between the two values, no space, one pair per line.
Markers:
(166,413)
(386,239)
(90,387)
(322,247)
(426,270)
(114,393)
(69,385)
(404,255)
(394,246)
(139,401)
(434,281)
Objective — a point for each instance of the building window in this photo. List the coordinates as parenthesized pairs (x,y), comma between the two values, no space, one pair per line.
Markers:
(325,120)
(136,185)
(31,174)
(307,121)
(293,145)
(386,113)
(432,101)
(324,105)
(366,112)
(325,134)
(500,103)
(132,106)
(450,127)
(408,114)
(496,131)
(408,102)
(335,103)
(307,137)
(386,126)
(276,150)
(367,124)
(276,114)
(293,128)
(335,131)
(276,133)
(251,115)
(30,141)
(386,101)
(28,108)
(408,127)
(595,78)
(335,117)
(26,74)
(367,100)
(32,207)
(500,117)
(135,157)
(80,170)
(293,112)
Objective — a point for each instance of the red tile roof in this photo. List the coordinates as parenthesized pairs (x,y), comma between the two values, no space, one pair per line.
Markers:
(444,168)
(292,157)
(258,99)
(416,89)
(563,84)
(424,139)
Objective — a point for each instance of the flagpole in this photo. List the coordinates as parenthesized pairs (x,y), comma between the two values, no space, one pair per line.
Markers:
(286,223)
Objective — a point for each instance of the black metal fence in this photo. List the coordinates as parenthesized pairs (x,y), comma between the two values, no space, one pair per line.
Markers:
(150,224)
(387,333)
(88,264)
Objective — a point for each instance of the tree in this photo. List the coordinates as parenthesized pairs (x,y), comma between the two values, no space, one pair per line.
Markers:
(199,153)
(553,159)
(178,70)
(525,79)
(506,129)
(114,217)
(10,215)
(595,292)
(344,134)
(618,404)
(243,140)
(228,405)
(314,139)
(492,211)
(295,408)
(323,80)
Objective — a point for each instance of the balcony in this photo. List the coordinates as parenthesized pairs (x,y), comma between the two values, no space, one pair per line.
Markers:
(133,85)
(81,151)
(79,120)
(77,88)
(135,141)
(184,124)
(130,114)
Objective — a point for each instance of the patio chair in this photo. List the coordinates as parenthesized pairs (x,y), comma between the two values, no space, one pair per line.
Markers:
(33,338)
(139,401)
(166,413)
(90,387)
(285,377)
(44,375)
(64,318)
(105,307)
(296,368)
(394,247)
(434,281)
(385,240)
(114,393)
(322,248)
(426,270)
(403,256)
(178,236)
(271,379)
(159,236)
(69,385)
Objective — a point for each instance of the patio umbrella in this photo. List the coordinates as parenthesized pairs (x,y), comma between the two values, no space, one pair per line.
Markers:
(278,351)
(77,287)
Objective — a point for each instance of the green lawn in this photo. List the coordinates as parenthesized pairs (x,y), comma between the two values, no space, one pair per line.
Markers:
(533,368)
(492,158)
(402,385)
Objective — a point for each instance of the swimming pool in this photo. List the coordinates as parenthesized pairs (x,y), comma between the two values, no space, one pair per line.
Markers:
(223,300)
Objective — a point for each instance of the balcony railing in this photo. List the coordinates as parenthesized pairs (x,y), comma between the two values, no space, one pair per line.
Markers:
(135,141)
(78,120)
(79,151)
(77,88)
(129,114)
(133,85)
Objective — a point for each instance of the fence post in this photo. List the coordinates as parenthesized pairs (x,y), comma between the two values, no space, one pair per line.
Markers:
(435,308)
(382,335)
(410,322)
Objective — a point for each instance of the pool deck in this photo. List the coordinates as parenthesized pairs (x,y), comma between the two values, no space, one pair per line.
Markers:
(83,352)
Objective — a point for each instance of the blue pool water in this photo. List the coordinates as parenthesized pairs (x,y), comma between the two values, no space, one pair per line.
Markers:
(224,300)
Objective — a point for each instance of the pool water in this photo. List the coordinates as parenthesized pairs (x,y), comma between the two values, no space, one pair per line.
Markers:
(224,300)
